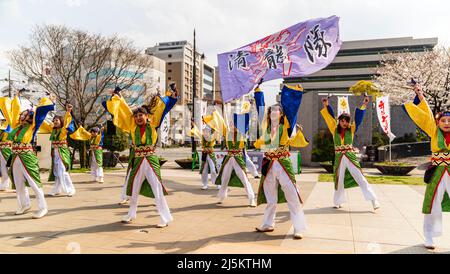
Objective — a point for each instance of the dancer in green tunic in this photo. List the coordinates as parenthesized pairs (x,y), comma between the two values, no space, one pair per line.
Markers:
(24,169)
(436,199)
(60,154)
(278,183)
(142,123)
(233,170)
(347,170)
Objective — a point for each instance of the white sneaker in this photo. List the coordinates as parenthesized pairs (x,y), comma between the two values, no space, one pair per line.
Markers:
(337,206)
(100,180)
(252,203)
(265,229)
(219,186)
(298,236)
(123,202)
(162,225)
(71,194)
(204,187)
(54,194)
(127,219)
(220,201)
(429,244)
(376,204)
(41,213)
(22,210)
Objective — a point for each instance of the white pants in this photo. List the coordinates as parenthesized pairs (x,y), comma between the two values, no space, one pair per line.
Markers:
(96,171)
(146,172)
(277,175)
(123,194)
(63,182)
(5,183)
(339,194)
(20,177)
(226,175)
(432,225)
(209,167)
(250,166)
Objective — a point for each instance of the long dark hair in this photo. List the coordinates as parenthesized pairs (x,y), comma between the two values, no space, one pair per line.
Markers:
(269,111)
(61,120)
(343,116)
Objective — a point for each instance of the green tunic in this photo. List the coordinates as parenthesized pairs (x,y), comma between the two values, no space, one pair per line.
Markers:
(64,154)
(234,179)
(285,163)
(98,153)
(433,185)
(6,152)
(212,155)
(28,158)
(136,161)
(349,181)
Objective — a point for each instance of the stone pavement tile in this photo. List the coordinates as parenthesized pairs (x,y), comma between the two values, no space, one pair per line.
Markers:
(379,221)
(326,231)
(375,248)
(313,245)
(245,248)
(333,218)
(387,236)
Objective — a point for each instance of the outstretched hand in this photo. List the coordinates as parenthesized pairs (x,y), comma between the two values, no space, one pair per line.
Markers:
(418,90)
(69,108)
(366,100)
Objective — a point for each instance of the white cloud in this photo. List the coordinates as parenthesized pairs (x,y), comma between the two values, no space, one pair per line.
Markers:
(76,3)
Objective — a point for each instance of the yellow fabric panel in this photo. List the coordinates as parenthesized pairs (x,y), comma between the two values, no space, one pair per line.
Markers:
(122,114)
(5,107)
(81,134)
(422,116)
(298,140)
(98,138)
(46,128)
(329,120)
(297,87)
(216,122)
(15,112)
(259,143)
(157,112)
(353,128)
(195,132)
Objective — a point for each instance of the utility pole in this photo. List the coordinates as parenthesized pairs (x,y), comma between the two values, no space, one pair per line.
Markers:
(194,75)
(9,83)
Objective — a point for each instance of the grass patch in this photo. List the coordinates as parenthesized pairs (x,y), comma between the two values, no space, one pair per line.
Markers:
(84,170)
(382,180)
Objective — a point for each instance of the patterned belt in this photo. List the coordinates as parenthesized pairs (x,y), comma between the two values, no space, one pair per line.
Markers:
(5,145)
(440,159)
(144,151)
(58,144)
(207,150)
(95,147)
(18,148)
(279,153)
(344,148)
(233,153)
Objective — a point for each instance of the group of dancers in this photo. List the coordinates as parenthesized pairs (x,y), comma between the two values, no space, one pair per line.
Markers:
(279,132)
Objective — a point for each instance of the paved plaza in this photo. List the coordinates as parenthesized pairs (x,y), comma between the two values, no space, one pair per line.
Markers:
(89,222)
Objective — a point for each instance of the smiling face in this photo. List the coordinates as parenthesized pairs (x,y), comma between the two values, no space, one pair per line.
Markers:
(24,118)
(57,122)
(444,123)
(275,113)
(344,123)
(140,119)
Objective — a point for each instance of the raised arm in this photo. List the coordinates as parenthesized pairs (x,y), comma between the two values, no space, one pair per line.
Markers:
(160,106)
(359,115)
(328,115)
(420,112)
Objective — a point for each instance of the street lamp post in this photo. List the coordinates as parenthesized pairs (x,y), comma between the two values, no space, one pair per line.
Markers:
(194,74)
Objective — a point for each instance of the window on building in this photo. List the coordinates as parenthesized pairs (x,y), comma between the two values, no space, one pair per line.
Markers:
(169,71)
(169,64)
(170,78)
(170,55)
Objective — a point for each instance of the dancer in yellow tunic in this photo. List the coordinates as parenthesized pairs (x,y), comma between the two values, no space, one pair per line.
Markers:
(143,123)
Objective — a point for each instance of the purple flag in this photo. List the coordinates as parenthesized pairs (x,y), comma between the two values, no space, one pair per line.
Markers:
(300,50)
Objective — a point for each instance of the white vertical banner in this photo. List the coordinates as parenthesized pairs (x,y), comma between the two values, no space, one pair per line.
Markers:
(384,116)
(343,106)
(165,129)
